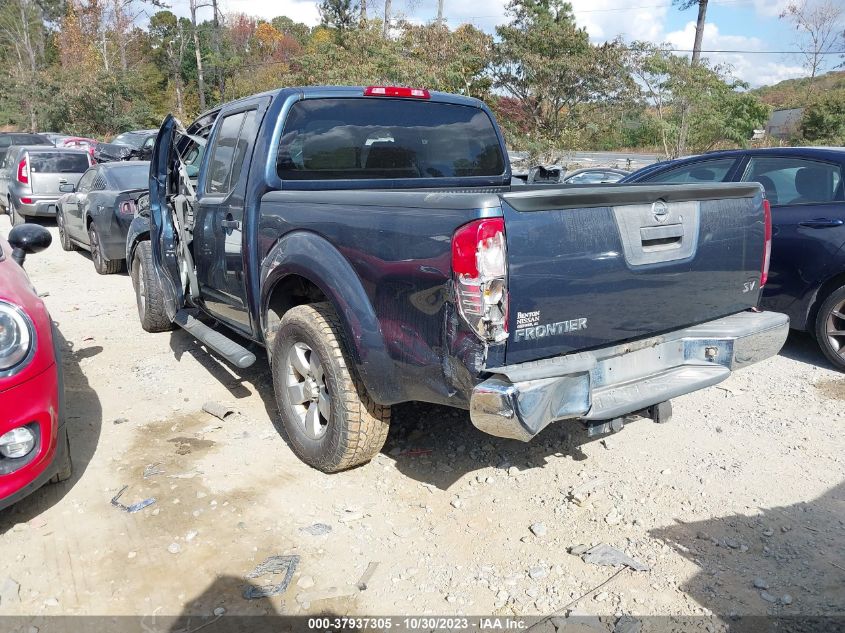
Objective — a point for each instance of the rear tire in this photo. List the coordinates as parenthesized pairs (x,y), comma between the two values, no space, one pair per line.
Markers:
(64,238)
(17,218)
(148,295)
(830,328)
(329,420)
(102,265)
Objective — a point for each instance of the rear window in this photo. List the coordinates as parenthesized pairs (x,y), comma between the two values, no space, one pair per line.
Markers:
(335,139)
(129,139)
(131,177)
(30,139)
(58,163)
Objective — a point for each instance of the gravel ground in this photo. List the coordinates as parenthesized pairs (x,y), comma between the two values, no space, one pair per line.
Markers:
(736,507)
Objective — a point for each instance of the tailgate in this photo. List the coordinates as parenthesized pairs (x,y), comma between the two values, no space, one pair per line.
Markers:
(592,266)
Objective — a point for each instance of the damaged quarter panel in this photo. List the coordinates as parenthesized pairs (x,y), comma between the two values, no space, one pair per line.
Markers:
(387,269)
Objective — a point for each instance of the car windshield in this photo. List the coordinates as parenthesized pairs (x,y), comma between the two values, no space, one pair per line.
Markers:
(58,163)
(131,176)
(129,139)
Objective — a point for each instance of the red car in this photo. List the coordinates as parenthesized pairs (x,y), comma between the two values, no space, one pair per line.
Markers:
(78,142)
(34,446)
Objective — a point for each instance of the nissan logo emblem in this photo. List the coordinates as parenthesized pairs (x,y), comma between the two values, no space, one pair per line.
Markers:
(660,211)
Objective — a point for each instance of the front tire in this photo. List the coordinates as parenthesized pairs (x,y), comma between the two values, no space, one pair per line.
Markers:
(148,295)
(64,238)
(830,328)
(102,265)
(329,420)
(65,468)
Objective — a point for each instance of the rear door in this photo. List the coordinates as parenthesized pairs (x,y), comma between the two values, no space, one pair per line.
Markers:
(808,218)
(218,234)
(589,267)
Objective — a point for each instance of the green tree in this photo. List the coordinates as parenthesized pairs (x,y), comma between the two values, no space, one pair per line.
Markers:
(823,121)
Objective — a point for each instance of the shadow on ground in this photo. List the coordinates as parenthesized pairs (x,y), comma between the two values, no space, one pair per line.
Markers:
(802,347)
(84,417)
(438,445)
(795,554)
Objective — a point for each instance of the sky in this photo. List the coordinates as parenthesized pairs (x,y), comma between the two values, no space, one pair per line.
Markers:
(751,25)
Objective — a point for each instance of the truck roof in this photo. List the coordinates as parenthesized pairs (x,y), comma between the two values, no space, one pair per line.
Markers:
(328,92)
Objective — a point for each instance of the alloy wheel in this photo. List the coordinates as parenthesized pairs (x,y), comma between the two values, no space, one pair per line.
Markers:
(307,390)
(835,328)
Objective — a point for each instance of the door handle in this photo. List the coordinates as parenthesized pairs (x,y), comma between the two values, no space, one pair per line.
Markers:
(821,223)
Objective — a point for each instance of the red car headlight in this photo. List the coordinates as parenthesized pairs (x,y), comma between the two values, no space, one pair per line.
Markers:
(17,337)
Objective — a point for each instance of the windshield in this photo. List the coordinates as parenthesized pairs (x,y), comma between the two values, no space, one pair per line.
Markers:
(366,138)
(131,176)
(129,139)
(58,163)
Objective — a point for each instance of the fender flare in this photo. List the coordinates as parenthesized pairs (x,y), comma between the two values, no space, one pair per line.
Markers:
(314,258)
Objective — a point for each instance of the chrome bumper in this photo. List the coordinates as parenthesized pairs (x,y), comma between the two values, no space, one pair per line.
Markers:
(519,401)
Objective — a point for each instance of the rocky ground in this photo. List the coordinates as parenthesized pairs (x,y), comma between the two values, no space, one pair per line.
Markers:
(737,507)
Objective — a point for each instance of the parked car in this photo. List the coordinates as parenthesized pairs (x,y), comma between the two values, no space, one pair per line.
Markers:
(34,445)
(805,188)
(95,214)
(369,239)
(30,178)
(594,176)
(78,142)
(8,139)
(137,145)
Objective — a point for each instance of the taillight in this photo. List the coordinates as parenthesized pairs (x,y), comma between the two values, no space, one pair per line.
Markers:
(479,266)
(395,91)
(23,170)
(26,200)
(767,248)
(128,207)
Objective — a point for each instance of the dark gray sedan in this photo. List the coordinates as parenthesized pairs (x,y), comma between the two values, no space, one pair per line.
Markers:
(95,215)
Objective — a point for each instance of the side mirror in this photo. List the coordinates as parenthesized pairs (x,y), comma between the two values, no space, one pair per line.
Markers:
(67,187)
(28,239)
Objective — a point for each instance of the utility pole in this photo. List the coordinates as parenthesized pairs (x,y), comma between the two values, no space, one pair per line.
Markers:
(363,12)
(440,11)
(387,8)
(699,31)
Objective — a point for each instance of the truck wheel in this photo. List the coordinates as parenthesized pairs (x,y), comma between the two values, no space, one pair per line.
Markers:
(66,464)
(148,295)
(102,265)
(64,238)
(328,418)
(830,328)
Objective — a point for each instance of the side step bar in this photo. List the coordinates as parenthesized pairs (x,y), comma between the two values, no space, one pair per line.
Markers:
(236,354)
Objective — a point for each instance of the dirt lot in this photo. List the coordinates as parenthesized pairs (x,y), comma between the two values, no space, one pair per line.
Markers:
(745,486)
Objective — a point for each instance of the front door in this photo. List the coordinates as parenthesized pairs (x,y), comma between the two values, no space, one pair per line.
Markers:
(808,223)
(219,230)
(73,207)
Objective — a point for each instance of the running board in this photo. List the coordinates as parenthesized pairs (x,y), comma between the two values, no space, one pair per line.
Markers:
(236,354)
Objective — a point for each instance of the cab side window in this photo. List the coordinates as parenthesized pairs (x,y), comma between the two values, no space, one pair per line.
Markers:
(223,150)
(86,181)
(794,181)
(716,170)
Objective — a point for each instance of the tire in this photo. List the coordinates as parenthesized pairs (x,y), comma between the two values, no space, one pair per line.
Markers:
(102,265)
(148,295)
(64,238)
(17,218)
(65,468)
(830,328)
(356,427)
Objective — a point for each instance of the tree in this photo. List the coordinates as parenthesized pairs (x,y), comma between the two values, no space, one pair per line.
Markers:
(340,15)
(170,36)
(823,121)
(195,5)
(818,26)
(546,62)
(683,5)
(21,41)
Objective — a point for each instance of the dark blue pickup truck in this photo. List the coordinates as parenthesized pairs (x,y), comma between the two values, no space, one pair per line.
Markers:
(370,240)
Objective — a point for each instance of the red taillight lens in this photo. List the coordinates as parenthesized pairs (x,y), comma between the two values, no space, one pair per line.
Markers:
(395,91)
(767,248)
(479,266)
(23,171)
(26,200)
(128,207)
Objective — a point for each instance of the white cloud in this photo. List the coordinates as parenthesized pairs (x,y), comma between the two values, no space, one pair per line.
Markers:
(770,8)
(755,69)
(605,19)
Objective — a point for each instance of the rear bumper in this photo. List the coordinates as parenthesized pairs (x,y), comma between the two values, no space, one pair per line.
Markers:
(41,206)
(519,401)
